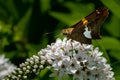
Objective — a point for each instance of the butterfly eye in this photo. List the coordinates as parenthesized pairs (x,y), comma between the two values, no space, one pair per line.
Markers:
(98,12)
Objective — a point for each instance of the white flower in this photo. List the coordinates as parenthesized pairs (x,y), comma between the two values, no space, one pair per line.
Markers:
(79,74)
(69,57)
(5,67)
(74,65)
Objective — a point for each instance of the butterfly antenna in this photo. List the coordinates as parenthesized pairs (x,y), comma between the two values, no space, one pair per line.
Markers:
(47,33)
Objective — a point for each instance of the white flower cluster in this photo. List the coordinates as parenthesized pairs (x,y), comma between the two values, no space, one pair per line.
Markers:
(5,67)
(31,65)
(69,57)
(66,58)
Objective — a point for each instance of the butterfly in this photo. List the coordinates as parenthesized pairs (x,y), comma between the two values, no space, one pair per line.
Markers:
(88,28)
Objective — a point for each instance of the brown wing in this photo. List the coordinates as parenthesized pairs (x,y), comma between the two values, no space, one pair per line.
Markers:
(78,23)
(95,20)
(77,34)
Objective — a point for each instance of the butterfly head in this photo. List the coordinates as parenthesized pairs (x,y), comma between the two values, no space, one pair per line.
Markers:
(67,31)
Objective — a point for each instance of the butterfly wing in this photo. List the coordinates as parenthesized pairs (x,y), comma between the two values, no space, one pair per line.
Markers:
(95,20)
(77,34)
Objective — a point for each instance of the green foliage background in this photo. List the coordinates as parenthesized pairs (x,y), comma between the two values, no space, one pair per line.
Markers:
(26,26)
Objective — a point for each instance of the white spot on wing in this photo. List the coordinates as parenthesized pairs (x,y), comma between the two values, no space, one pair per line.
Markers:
(87,33)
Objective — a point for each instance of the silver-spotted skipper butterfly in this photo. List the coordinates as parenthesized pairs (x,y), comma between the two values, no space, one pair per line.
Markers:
(88,28)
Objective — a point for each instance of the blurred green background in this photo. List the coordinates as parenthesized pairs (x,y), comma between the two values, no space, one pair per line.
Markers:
(26,26)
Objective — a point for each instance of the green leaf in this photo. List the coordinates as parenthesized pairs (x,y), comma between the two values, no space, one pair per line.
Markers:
(79,9)
(43,72)
(110,43)
(45,5)
(10,7)
(5,28)
(75,15)
(116,69)
(115,54)
(113,26)
(63,17)
(20,28)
